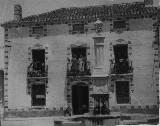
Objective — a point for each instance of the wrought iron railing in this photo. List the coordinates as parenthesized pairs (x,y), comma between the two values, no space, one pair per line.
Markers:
(122,66)
(78,68)
(42,71)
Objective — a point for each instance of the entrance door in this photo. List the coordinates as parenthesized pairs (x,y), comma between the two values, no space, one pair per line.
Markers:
(38,95)
(80,99)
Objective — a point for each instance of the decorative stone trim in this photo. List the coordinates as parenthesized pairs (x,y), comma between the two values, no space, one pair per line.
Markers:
(70,81)
(6,62)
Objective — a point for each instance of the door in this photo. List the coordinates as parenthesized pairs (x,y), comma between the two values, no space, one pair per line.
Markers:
(38,95)
(80,99)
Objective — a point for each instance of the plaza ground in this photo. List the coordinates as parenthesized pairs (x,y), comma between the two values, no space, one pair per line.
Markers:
(49,121)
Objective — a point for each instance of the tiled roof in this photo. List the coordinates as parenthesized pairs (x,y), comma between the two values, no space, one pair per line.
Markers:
(104,12)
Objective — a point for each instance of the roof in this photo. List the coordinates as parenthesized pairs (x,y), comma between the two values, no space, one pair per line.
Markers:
(90,13)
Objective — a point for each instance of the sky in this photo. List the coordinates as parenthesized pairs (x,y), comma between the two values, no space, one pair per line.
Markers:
(31,7)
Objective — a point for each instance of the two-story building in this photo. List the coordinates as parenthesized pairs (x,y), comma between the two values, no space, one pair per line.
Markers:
(93,59)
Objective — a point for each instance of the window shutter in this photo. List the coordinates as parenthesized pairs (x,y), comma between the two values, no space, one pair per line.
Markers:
(30,55)
(88,53)
(46,54)
(111,51)
(69,53)
(129,52)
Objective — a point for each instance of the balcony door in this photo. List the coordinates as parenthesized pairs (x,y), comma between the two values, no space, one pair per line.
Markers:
(79,61)
(121,58)
(38,58)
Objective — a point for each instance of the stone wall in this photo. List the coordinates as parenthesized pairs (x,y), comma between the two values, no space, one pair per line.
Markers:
(58,39)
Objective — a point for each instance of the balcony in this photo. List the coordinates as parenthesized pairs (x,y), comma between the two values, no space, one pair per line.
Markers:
(77,67)
(37,71)
(121,66)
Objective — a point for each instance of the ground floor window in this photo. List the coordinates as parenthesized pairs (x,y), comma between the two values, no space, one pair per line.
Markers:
(122,92)
(38,95)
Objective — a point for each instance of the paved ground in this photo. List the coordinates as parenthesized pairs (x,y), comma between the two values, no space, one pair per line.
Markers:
(49,121)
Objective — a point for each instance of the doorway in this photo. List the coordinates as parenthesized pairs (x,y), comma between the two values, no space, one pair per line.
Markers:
(80,99)
(38,95)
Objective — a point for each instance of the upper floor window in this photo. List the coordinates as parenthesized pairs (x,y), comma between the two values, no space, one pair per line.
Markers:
(37,66)
(78,64)
(119,24)
(37,30)
(38,58)
(78,28)
(121,58)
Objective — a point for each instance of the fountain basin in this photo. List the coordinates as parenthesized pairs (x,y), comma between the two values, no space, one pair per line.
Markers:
(92,120)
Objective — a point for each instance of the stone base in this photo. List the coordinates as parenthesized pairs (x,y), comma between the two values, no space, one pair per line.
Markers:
(136,109)
(33,113)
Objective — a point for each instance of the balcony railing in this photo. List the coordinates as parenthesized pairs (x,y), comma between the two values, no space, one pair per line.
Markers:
(122,66)
(40,71)
(77,67)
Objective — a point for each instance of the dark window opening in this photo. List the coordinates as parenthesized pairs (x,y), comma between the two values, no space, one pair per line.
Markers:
(38,95)
(122,92)
(78,52)
(78,28)
(80,99)
(38,30)
(119,24)
(38,58)
(121,58)
(121,51)
(78,65)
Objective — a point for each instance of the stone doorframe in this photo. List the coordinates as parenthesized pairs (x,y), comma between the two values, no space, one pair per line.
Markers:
(69,85)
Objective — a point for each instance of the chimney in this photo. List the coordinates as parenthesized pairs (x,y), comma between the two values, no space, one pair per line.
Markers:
(17,12)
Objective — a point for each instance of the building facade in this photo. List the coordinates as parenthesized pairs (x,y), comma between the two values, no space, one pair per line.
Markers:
(91,59)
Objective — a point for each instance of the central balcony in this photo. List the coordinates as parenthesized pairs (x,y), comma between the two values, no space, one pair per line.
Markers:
(121,66)
(77,67)
(40,71)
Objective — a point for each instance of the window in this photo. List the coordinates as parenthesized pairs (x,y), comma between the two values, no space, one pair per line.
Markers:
(38,57)
(78,52)
(78,28)
(37,66)
(122,92)
(78,65)
(37,30)
(121,59)
(119,24)
(121,51)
